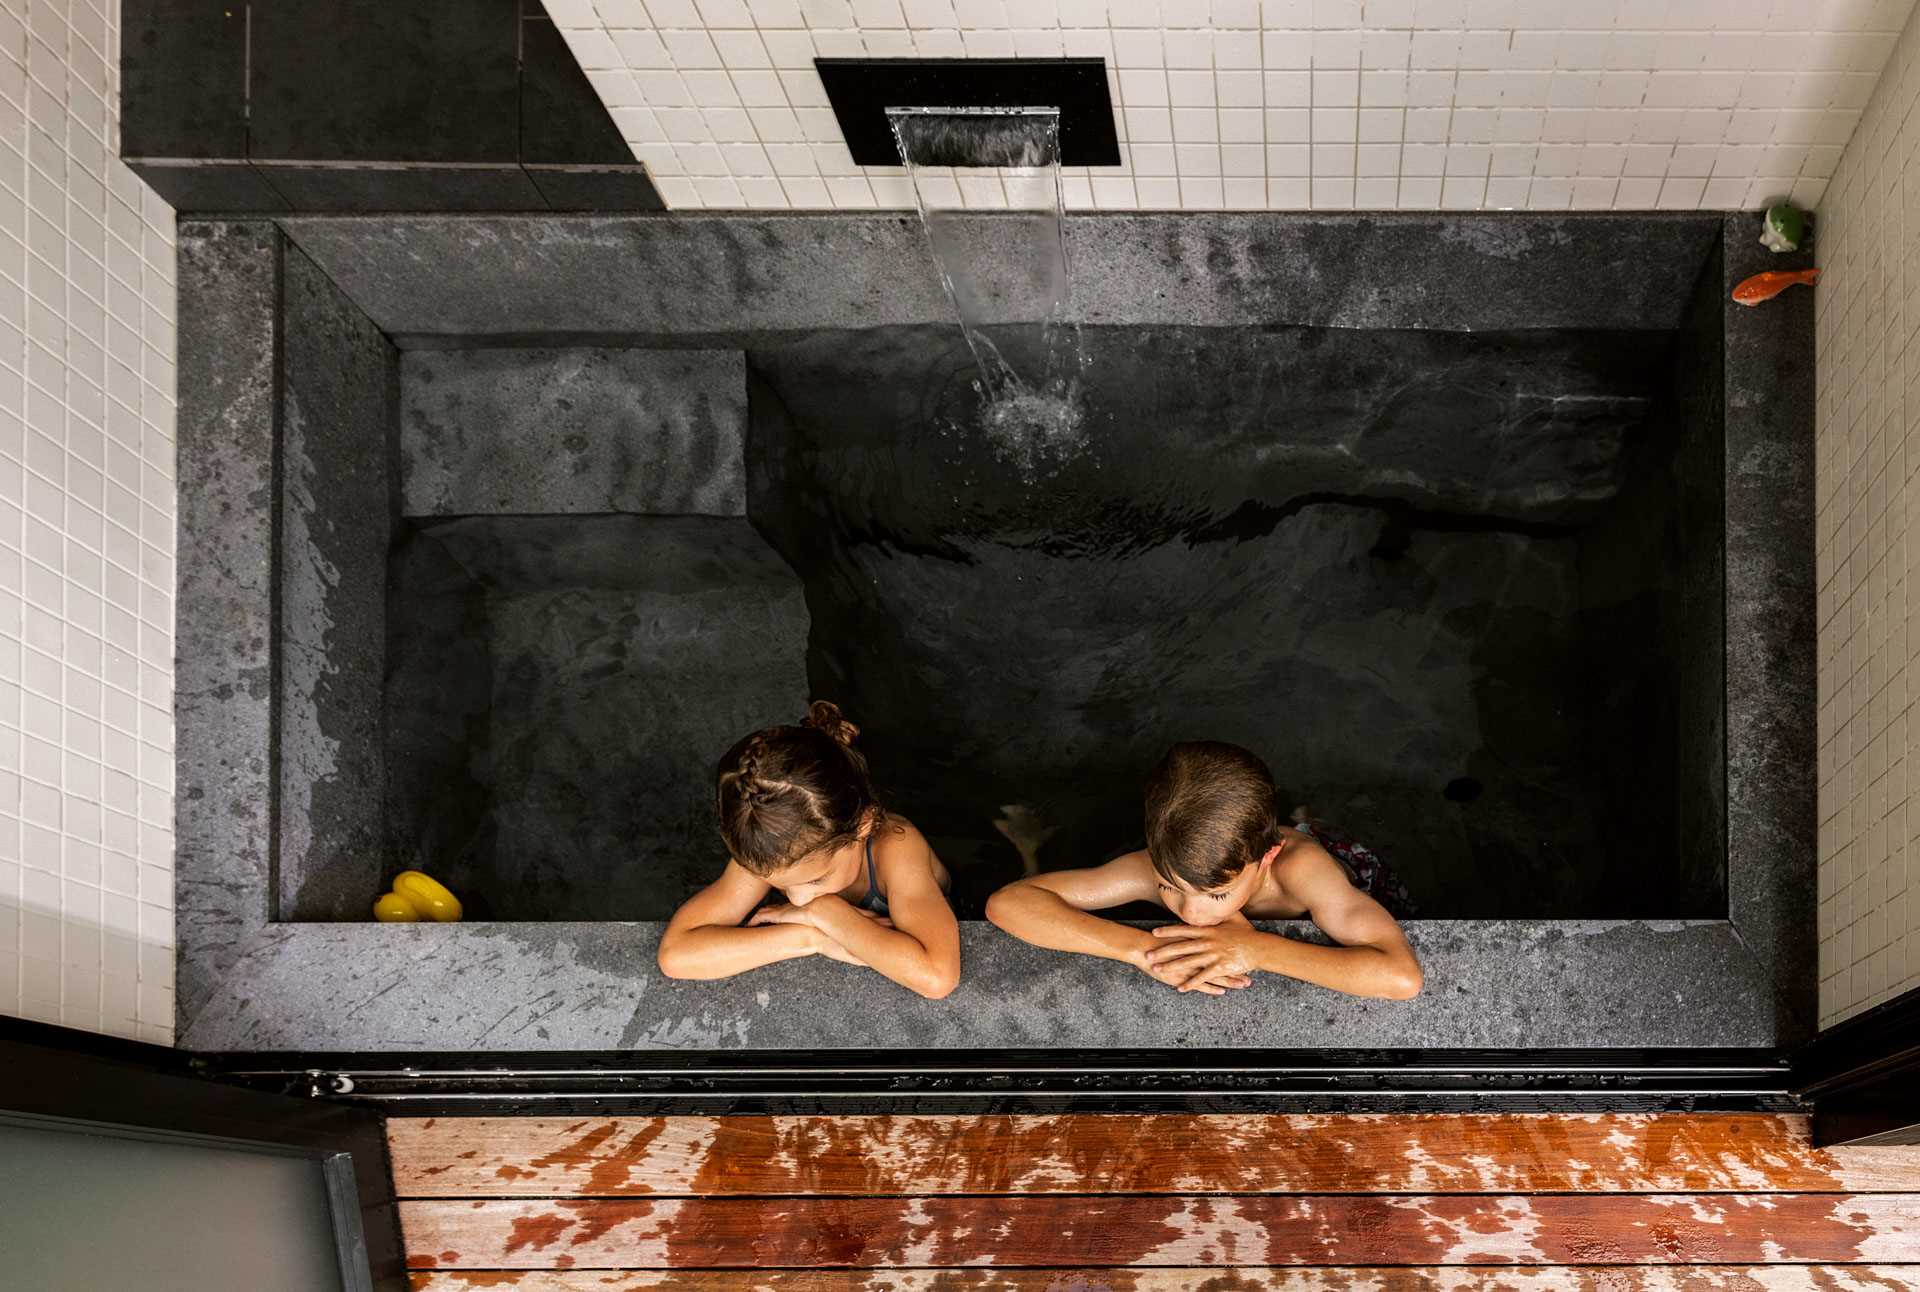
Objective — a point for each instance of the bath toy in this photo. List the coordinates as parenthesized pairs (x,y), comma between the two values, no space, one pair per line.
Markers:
(391,908)
(417,896)
(1784,228)
(1766,286)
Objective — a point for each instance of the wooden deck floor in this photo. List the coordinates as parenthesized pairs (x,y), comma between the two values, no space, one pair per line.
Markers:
(1150,1204)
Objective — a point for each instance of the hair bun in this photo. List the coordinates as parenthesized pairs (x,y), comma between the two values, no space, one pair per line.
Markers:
(825,715)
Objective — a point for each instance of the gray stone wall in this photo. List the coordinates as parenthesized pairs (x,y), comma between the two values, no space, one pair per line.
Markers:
(336,507)
(695,279)
(561,689)
(1772,807)
(555,432)
(224,667)
(1561,984)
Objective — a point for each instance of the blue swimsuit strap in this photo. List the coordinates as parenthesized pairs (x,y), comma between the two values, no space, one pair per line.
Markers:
(873,884)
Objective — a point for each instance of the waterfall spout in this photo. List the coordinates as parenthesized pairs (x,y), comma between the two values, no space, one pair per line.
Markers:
(1033,418)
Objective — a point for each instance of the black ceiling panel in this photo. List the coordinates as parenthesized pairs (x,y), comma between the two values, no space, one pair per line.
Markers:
(862,89)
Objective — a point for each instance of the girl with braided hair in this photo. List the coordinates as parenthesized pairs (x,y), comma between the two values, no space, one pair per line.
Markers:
(798,814)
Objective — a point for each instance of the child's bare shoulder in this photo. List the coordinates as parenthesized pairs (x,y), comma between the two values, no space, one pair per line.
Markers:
(899,843)
(899,837)
(1303,859)
(899,848)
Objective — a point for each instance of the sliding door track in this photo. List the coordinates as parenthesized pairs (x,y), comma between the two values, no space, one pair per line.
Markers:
(1017,1081)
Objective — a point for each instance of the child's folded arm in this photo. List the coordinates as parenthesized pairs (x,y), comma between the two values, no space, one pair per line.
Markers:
(1190,956)
(1357,969)
(1373,958)
(919,948)
(1054,910)
(717,951)
(704,940)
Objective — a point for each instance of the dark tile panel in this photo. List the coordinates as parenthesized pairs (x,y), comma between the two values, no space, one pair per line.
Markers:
(183,79)
(561,116)
(597,188)
(371,80)
(486,84)
(227,186)
(404,188)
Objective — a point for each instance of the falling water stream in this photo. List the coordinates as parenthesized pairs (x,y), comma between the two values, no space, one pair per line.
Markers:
(1034,419)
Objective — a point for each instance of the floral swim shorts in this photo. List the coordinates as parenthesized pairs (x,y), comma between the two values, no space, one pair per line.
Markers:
(1364,868)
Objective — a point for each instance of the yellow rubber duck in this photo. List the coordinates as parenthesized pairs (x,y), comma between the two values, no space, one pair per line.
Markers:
(416,896)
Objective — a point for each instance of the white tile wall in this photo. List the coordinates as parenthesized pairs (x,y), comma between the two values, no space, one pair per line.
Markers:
(1286,103)
(1543,104)
(1868,495)
(86,539)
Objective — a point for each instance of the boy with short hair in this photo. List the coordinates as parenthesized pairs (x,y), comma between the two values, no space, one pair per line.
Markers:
(1216,855)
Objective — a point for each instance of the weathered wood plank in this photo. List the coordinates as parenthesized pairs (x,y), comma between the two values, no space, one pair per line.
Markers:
(1120,1231)
(863,1156)
(1679,1278)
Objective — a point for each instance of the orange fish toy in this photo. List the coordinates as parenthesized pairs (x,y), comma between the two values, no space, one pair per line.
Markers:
(1764,287)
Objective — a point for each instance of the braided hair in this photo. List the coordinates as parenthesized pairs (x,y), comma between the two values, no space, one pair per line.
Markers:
(786,792)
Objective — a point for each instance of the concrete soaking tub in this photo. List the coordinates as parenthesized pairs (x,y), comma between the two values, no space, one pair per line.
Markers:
(1490,533)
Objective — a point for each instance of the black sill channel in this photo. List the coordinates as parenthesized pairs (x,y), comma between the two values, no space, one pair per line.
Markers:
(820,1082)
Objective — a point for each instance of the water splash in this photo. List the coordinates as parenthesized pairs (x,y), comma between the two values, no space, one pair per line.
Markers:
(1034,419)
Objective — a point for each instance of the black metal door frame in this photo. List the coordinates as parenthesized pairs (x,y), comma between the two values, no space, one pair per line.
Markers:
(1863,1076)
(59,1077)
(1861,1079)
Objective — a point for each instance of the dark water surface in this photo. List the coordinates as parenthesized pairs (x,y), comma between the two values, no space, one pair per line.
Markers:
(1445,584)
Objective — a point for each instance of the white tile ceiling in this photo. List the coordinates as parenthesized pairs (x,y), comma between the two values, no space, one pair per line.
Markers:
(1251,104)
